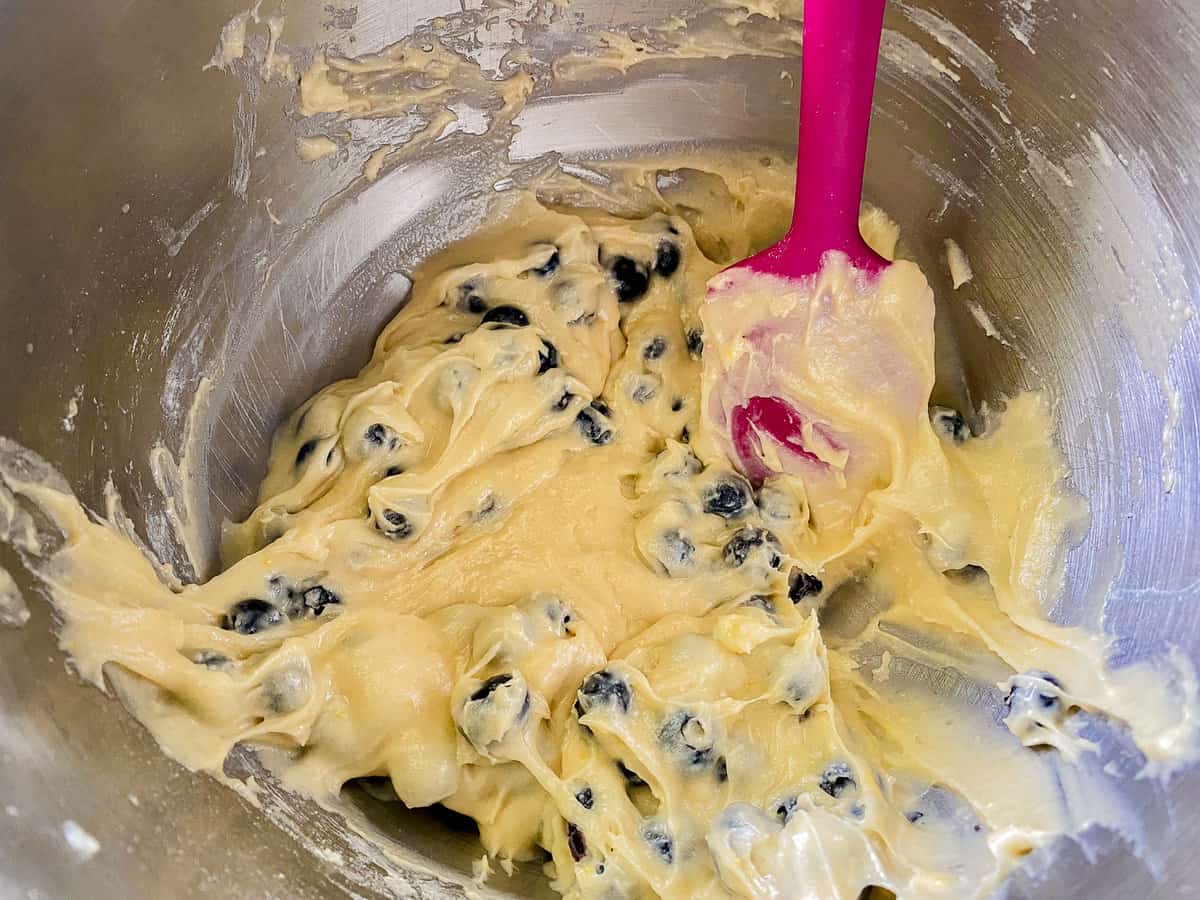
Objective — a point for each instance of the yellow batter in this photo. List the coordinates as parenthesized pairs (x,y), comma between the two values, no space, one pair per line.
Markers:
(510,567)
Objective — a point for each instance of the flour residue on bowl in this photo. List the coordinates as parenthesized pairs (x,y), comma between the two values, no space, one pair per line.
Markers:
(958,266)
(83,845)
(14,612)
(1021,17)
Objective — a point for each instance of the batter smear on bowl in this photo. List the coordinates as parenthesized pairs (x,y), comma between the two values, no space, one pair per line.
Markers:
(534,564)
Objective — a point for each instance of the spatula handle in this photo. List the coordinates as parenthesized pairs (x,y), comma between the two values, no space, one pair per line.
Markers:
(840,56)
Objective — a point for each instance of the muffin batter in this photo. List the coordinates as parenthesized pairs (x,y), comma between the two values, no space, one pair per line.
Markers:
(511,567)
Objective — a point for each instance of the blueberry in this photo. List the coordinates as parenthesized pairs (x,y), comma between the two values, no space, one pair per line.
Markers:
(727,498)
(292,605)
(677,551)
(549,267)
(686,737)
(721,770)
(642,392)
(778,504)
(252,616)
(486,508)
(318,597)
(286,690)
(602,406)
(376,434)
(1025,693)
(563,402)
(469,298)
(210,659)
(785,809)
(592,426)
(666,259)
(506,315)
(603,688)
(800,692)
(746,541)
(585,797)
(801,585)
(576,843)
(547,358)
(915,816)
(632,778)
(306,450)
(695,343)
(560,616)
(837,779)
(660,842)
(677,404)
(396,524)
(760,601)
(486,689)
(630,279)
(951,423)
(298,604)
(494,710)
(655,348)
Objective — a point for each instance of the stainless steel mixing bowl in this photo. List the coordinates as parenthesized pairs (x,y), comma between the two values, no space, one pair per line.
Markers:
(1056,142)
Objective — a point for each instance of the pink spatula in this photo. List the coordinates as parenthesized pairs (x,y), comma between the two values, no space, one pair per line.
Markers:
(841,48)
